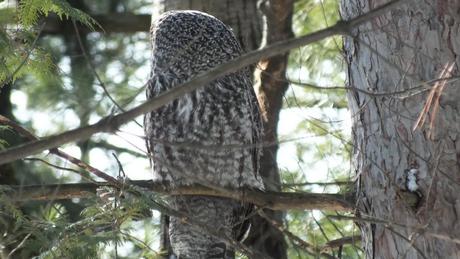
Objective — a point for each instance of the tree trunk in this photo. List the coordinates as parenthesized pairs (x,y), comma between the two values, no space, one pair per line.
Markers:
(8,174)
(408,178)
(271,86)
(247,22)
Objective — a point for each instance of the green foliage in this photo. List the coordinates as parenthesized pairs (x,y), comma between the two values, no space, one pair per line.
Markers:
(31,10)
(19,53)
(48,233)
(7,15)
(19,56)
(34,64)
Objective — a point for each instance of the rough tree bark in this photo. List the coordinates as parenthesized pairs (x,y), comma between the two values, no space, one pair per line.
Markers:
(248,23)
(394,53)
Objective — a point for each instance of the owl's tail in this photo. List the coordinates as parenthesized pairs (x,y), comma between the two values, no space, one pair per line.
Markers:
(220,220)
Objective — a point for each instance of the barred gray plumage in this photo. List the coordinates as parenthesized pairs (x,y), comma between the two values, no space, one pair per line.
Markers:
(208,136)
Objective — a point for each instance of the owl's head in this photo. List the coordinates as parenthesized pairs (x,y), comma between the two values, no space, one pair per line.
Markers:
(187,43)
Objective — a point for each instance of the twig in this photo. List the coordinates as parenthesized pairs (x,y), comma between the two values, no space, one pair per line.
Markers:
(112,123)
(390,226)
(105,145)
(309,248)
(54,166)
(341,242)
(19,245)
(93,68)
(415,228)
(143,243)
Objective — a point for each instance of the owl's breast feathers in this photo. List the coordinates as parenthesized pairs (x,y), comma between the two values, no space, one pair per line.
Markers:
(210,135)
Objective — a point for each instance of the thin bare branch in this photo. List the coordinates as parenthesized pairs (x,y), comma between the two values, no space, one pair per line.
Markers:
(52,165)
(19,246)
(351,240)
(417,89)
(93,69)
(106,145)
(307,247)
(415,228)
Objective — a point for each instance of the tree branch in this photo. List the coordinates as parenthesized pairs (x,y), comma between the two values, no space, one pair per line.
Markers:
(266,199)
(106,145)
(112,123)
(273,200)
(351,240)
(25,133)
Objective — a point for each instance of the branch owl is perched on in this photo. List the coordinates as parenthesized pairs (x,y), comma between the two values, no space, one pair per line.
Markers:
(207,137)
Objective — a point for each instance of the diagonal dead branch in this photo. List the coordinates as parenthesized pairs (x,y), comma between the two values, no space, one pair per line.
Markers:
(432,101)
(112,123)
(27,134)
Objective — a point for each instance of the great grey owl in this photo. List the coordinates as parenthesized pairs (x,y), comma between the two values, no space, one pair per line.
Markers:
(207,137)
